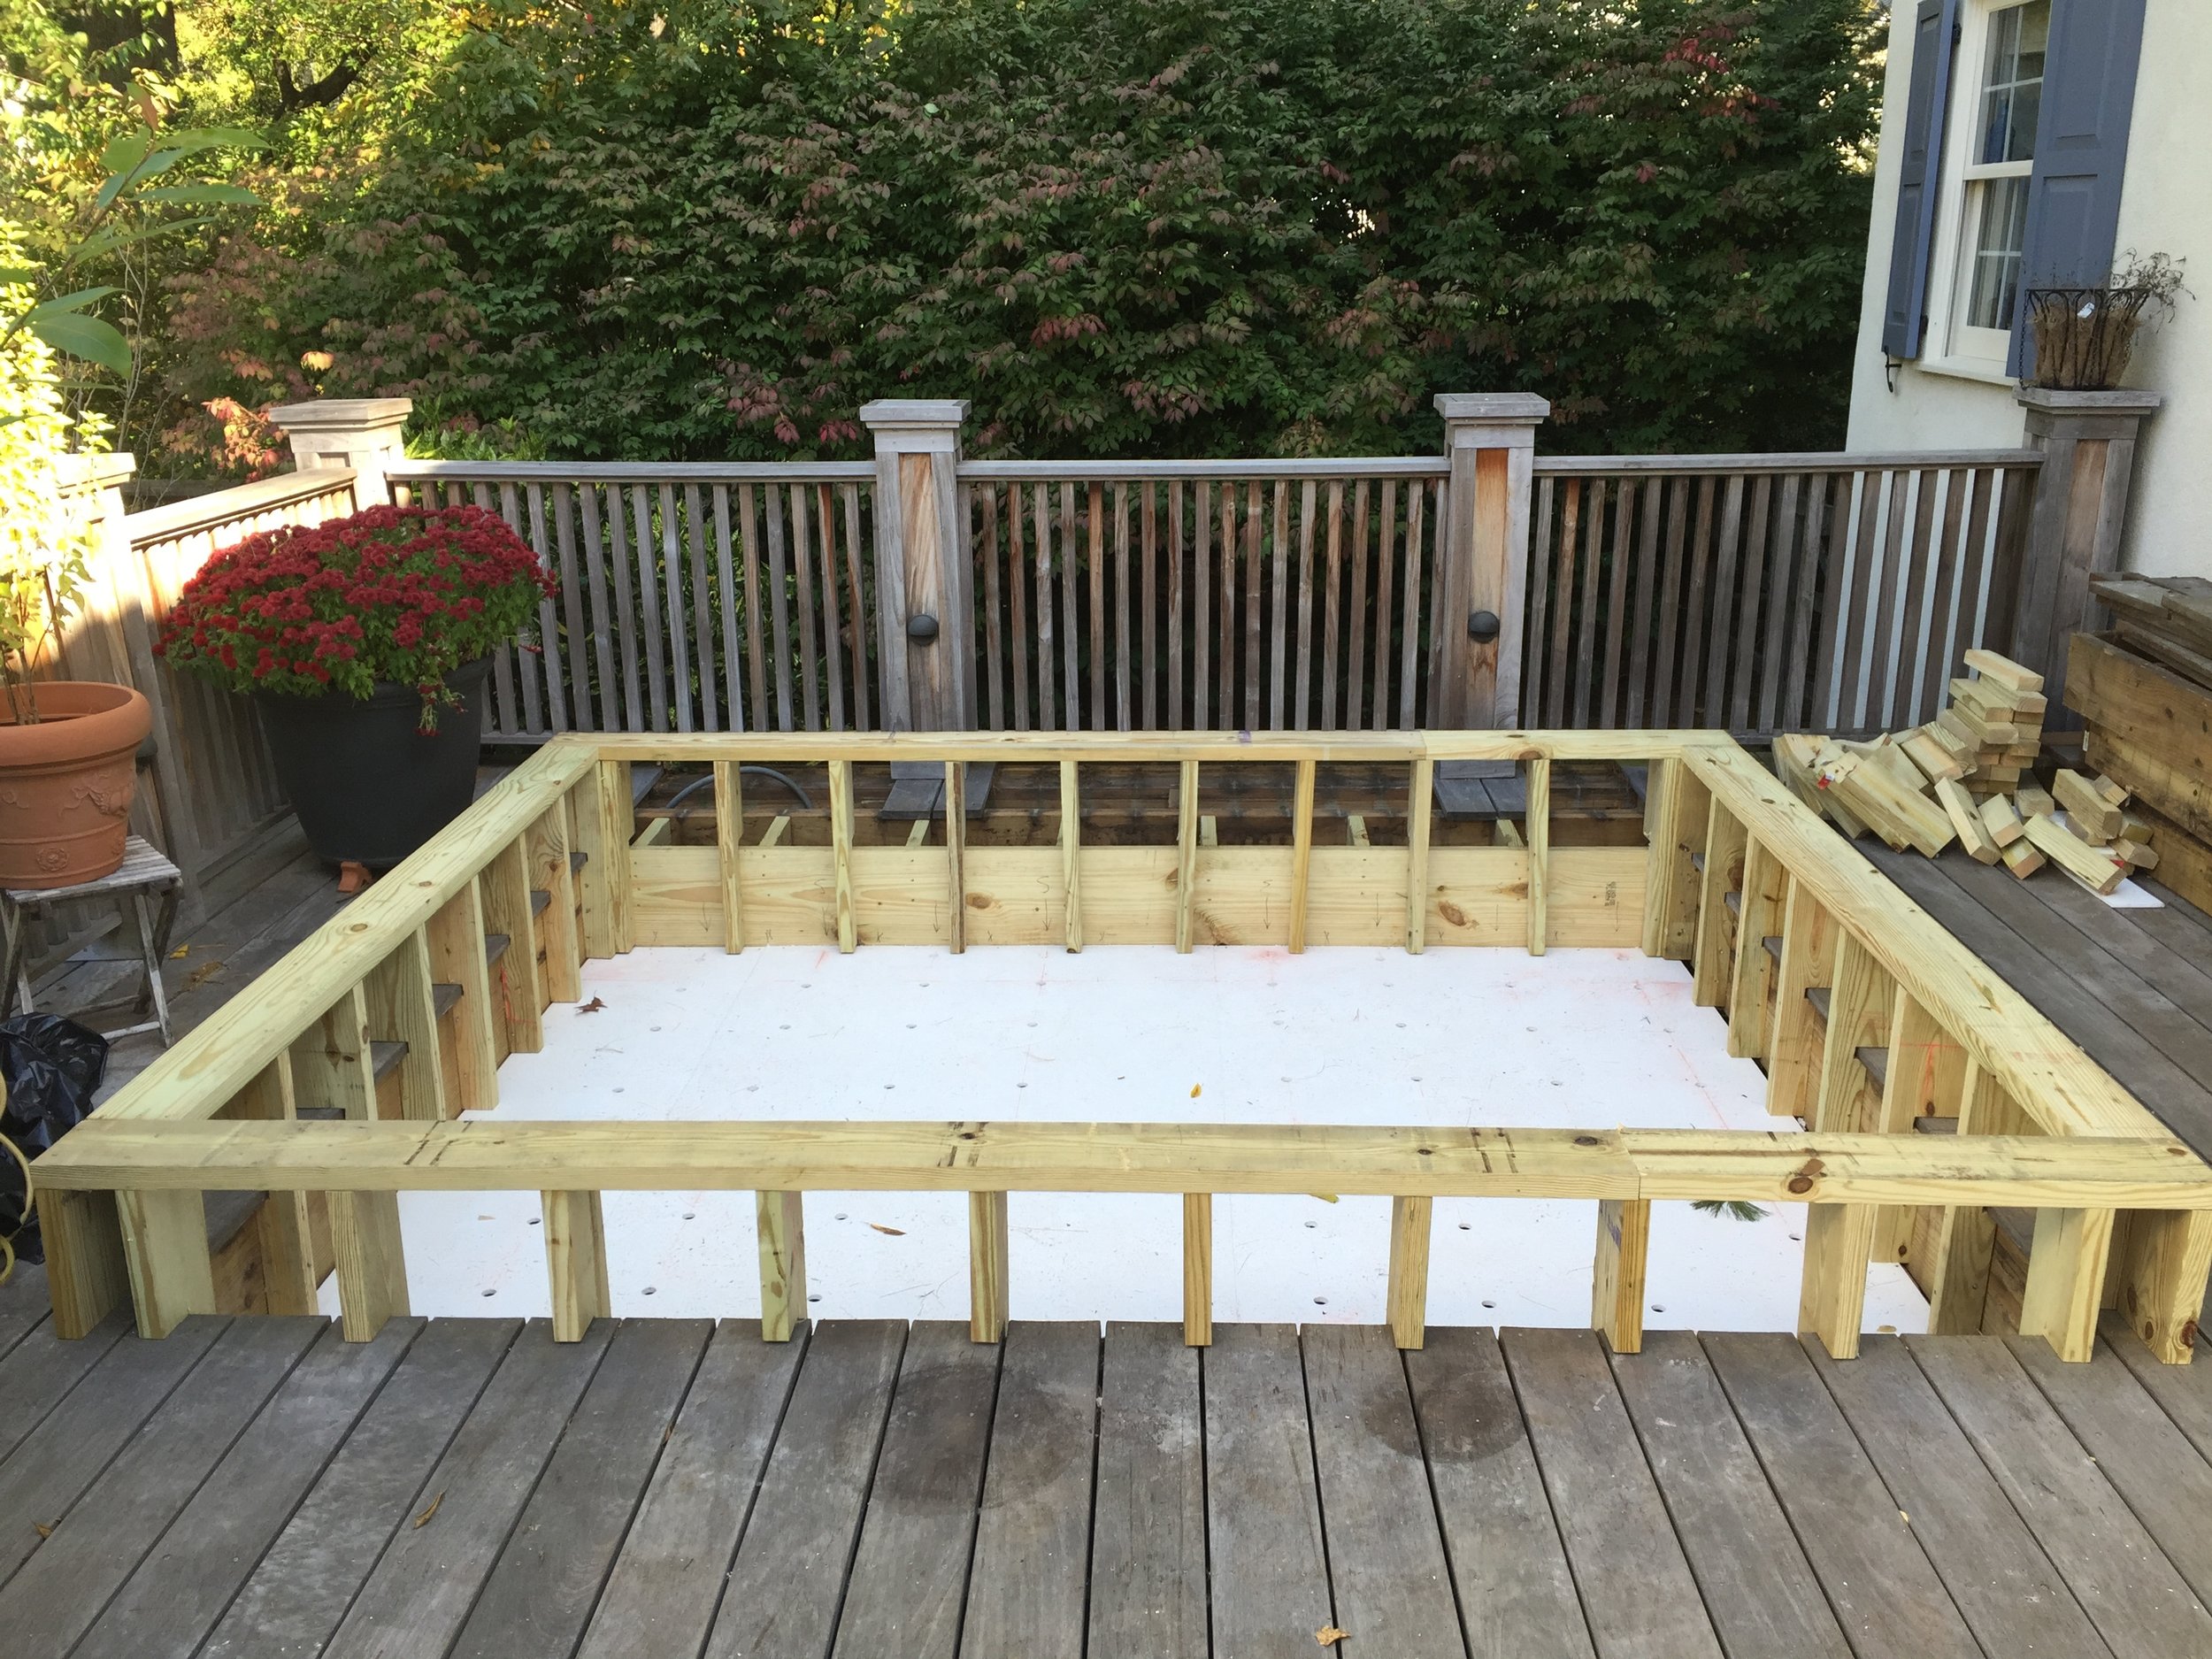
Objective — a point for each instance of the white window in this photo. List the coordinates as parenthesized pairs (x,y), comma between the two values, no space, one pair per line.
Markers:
(1997,97)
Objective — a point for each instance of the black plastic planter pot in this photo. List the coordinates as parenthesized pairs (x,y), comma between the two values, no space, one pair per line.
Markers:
(367,786)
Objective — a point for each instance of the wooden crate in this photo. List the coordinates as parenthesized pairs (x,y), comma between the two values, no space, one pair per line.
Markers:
(2150,730)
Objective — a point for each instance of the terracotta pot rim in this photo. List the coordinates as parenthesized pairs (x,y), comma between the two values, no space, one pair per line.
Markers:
(81,720)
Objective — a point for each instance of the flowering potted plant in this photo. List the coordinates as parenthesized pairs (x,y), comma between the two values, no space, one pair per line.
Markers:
(365,642)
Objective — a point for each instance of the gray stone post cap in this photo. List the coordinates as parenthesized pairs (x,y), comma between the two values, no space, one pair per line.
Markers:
(914,411)
(2120,400)
(325,416)
(1499,407)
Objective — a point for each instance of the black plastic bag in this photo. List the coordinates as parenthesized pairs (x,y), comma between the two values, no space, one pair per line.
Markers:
(51,1066)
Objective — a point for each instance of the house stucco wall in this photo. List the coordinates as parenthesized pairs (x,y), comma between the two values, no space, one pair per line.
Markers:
(2165,206)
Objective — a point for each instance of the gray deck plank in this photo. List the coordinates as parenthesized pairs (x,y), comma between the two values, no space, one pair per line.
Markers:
(789,1573)
(661,1596)
(1034,1528)
(1517,1594)
(304,1584)
(1271,1576)
(1758,1588)
(2137,1601)
(2011,1595)
(2149,1462)
(1387,1572)
(2184,1393)
(542,1590)
(1638,1592)
(909,1575)
(66,1452)
(422,1588)
(1148,1518)
(58,1593)
(23,1305)
(2181,979)
(2180,926)
(40,1369)
(1879,1582)
(186,1581)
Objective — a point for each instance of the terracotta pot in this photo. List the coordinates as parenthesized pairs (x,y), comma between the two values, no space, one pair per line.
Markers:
(65,783)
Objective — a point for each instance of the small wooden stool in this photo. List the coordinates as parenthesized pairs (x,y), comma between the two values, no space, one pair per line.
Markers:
(145,875)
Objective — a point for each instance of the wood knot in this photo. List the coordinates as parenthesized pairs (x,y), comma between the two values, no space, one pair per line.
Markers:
(1586,1141)
(1426,1152)
(1807,1175)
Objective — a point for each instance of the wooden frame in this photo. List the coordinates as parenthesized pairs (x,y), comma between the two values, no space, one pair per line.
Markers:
(545,857)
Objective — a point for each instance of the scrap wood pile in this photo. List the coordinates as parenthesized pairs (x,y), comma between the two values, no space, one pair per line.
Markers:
(2167,618)
(1967,776)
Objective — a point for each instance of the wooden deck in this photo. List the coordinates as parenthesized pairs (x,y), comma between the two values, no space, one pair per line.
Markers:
(463,1487)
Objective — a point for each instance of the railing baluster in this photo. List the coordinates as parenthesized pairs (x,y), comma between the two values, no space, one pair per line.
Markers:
(841,817)
(648,597)
(1617,1278)
(986,1266)
(1198,1269)
(1186,854)
(1411,1221)
(1300,852)
(369,1261)
(1417,806)
(575,1261)
(779,1218)
(833,629)
(729,840)
(1537,833)
(1072,854)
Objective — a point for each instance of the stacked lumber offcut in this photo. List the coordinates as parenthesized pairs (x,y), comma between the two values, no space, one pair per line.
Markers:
(2144,692)
(1967,776)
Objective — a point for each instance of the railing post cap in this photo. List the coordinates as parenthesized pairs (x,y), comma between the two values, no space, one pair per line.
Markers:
(1492,408)
(2120,400)
(343,414)
(894,413)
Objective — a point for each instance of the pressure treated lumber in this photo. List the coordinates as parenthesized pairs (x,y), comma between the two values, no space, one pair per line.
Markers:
(490,1154)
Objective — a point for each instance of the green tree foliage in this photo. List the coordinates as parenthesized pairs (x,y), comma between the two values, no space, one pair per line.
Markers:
(1169,226)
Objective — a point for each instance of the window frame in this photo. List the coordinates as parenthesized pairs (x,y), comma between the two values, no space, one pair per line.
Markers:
(1954,345)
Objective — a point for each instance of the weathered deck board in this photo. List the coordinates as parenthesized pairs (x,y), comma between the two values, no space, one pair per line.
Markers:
(860,1489)
(2000,1578)
(54,1598)
(1637,1588)
(302,1587)
(666,1583)
(789,1573)
(2130,1590)
(1758,1587)
(1033,1537)
(1885,1593)
(540,1592)
(909,1575)
(1270,1574)
(1386,1566)
(24,1312)
(39,1372)
(1516,1595)
(415,1600)
(182,1586)
(1148,1519)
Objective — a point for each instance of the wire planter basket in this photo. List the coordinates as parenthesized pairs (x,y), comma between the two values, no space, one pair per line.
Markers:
(2085,336)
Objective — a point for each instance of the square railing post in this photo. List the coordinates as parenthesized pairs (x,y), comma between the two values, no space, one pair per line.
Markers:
(362,432)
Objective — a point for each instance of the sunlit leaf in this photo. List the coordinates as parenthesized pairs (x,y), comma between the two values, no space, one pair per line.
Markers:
(85,337)
(201,196)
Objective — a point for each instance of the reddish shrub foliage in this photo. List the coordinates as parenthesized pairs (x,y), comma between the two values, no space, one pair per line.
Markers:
(396,594)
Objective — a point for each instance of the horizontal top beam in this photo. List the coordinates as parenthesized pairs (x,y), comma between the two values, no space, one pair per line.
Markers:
(484,1155)
(638,472)
(2036,1064)
(1016,748)
(218,1058)
(1258,468)
(1817,461)
(239,503)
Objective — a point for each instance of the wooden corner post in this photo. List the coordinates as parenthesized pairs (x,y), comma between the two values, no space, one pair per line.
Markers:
(2074,522)
(924,585)
(1490,441)
(365,433)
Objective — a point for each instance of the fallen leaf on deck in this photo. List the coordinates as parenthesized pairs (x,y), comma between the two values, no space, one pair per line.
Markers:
(1329,1635)
(202,974)
(897,1232)
(180,953)
(430,1509)
(592,1007)
(44,1529)
(1193,1091)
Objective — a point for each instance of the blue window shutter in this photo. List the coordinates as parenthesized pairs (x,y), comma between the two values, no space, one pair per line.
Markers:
(1905,316)
(2081,150)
